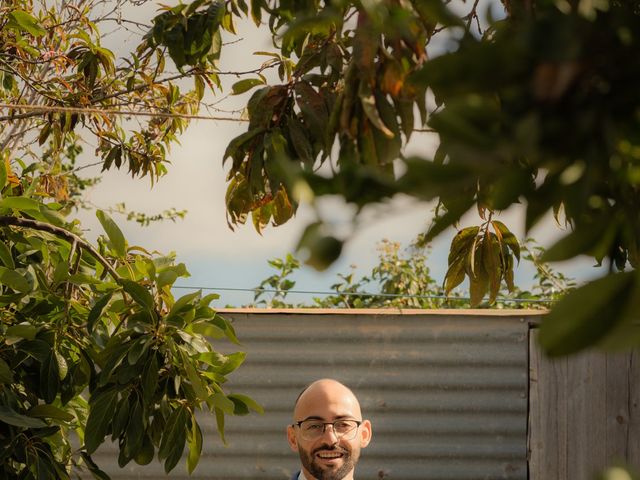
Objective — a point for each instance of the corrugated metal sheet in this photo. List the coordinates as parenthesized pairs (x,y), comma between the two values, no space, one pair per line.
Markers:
(446,394)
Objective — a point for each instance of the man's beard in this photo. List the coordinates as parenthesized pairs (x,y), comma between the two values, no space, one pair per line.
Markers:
(309,463)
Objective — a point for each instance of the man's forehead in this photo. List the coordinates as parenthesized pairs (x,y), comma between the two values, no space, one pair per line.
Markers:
(328,400)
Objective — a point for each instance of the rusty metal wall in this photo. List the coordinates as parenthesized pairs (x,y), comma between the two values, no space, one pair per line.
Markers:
(446,393)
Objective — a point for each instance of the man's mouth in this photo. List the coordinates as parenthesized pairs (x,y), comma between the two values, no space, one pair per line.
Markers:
(329,455)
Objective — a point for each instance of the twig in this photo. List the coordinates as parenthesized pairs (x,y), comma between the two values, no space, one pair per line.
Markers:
(36,110)
(60,232)
(72,252)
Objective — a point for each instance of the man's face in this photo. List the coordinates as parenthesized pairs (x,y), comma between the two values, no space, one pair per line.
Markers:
(330,456)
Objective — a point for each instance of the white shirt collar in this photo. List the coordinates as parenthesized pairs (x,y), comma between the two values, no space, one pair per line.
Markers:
(302,476)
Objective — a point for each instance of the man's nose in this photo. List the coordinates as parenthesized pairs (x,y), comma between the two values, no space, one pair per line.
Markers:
(329,432)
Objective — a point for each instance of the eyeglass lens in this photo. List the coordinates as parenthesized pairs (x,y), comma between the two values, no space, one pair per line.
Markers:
(312,429)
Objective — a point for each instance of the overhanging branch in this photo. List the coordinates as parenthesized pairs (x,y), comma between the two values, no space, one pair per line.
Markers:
(60,232)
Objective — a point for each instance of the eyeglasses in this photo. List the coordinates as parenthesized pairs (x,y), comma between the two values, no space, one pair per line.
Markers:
(314,429)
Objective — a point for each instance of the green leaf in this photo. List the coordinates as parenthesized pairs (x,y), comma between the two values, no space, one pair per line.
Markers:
(114,233)
(23,330)
(43,467)
(206,328)
(212,358)
(388,149)
(3,171)
(50,377)
(14,280)
(96,311)
(137,350)
(226,325)
(196,382)
(139,294)
(323,252)
(508,272)
(245,85)
(248,401)
(492,264)
(145,452)
(184,301)
(121,418)
(507,237)
(135,432)
(50,411)
(436,12)
(478,278)
(220,401)
(240,140)
(586,315)
(173,438)
(232,362)
(461,243)
(63,368)
(368,102)
(220,424)
(314,110)
(6,375)
(455,274)
(582,240)
(300,141)
(101,411)
(150,379)
(5,255)
(166,277)
(239,408)
(37,349)
(93,468)
(26,22)
(23,204)
(442,221)
(207,299)
(195,445)
(7,415)
(199,86)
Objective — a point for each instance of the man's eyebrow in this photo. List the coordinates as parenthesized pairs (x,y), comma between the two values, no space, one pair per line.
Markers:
(312,417)
(338,417)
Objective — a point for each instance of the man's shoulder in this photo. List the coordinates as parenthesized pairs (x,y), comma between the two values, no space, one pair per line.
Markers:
(295,475)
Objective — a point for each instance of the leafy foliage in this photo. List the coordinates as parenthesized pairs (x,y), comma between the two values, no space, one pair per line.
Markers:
(52,57)
(342,82)
(538,108)
(75,320)
(486,257)
(93,344)
(402,279)
(279,283)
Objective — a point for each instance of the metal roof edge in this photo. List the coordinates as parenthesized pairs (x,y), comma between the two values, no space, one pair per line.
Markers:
(387,311)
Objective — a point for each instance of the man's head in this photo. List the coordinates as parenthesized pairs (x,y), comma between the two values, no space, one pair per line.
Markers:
(329,450)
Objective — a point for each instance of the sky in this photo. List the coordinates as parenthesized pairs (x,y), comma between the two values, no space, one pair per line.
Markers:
(219,258)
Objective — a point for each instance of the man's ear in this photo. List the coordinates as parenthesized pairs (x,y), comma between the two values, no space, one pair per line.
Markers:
(291,437)
(365,433)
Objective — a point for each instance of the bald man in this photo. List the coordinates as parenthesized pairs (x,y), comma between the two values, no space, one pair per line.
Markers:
(328,431)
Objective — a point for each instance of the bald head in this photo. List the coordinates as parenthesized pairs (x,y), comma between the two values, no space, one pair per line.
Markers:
(325,392)
(328,431)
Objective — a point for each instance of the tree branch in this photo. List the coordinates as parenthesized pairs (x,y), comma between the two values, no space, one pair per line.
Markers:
(60,232)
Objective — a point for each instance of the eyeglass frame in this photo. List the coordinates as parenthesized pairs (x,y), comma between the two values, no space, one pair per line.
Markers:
(333,427)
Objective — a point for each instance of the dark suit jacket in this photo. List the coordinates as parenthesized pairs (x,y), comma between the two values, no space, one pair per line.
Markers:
(295,475)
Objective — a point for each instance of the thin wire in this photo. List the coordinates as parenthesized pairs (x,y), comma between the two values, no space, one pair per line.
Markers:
(358,294)
(111,112)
